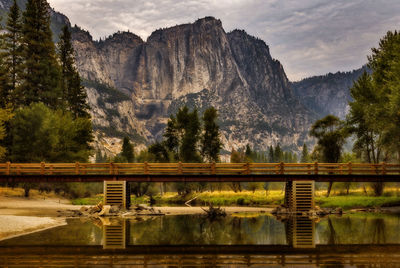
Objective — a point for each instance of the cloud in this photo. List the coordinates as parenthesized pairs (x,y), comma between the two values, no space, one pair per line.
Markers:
(309,37)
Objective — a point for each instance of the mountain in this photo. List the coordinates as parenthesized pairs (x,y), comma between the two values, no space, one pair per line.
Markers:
(134,85)
(198,65)
(327,94)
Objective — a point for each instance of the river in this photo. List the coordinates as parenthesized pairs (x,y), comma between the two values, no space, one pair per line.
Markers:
(245,239)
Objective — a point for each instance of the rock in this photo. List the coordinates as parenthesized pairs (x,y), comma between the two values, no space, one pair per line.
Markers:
(105,211)
(153,78)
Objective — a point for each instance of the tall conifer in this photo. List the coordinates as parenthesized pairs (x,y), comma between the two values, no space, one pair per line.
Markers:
(41,70)
(13,53)
(73,93)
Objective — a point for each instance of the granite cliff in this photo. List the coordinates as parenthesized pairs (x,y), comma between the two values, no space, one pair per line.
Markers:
(133,85)
(198,65)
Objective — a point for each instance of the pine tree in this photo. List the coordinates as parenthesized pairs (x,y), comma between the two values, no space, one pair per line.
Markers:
(211,143)
(188,124)
(278,154)
(305,157)
(171,136)
(4,81)
(41,70)
(13,53)
(271,157)
(127,150)
(73,93)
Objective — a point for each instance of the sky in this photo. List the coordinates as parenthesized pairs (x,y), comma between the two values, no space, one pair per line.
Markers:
(308,37)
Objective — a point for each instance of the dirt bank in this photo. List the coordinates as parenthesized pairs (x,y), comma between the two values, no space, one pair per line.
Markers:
(196,210)
(12,226)
(21,206)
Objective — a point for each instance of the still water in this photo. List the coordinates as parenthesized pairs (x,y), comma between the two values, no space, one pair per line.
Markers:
(353,240)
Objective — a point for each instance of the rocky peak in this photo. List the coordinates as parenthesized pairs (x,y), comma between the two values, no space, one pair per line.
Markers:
(122,38)
(80,35)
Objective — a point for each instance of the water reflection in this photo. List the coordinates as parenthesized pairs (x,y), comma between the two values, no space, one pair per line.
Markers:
(244,240)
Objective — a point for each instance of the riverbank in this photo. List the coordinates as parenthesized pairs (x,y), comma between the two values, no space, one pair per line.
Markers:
(355,200)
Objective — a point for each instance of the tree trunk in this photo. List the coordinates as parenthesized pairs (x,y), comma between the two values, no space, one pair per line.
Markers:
(26,192)
(329,188)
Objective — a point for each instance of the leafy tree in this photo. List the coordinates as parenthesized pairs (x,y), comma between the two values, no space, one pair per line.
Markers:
(5,116)
(160,152)
(374,116)
(73,93)
(188,124)
(210,140)
(41,70)
(13,53)
(41,134)
(331,137)
(127,150)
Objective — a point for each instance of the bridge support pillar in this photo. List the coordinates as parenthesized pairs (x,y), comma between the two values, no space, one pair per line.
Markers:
(300,232)
(299,196)
(115,193)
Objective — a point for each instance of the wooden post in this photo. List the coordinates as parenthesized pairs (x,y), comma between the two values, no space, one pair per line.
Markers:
(213,171)
(146,168)
(180,172)
(316,168)
(8,166)
(77,168)
(384,168)
(350,168)
(282,168)
(42,166)
(111,168)
(247,168)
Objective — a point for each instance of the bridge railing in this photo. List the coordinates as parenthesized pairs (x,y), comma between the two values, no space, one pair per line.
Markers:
(198,168)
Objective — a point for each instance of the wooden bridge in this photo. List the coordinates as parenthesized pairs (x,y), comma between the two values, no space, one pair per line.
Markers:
(201,256)
(299,177)
(197,172)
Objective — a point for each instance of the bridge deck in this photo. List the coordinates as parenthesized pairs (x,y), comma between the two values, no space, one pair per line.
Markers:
(217,172)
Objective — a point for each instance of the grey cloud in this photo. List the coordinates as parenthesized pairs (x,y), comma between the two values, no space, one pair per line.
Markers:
(309,37)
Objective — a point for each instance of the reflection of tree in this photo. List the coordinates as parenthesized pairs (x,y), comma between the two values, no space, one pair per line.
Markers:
(197,230)
(378,234)
(333,238)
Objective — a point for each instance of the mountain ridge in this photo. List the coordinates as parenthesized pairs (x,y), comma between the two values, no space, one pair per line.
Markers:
(134,85)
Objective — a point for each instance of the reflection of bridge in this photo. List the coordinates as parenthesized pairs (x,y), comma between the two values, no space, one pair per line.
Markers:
(180,256)
(300,233)
(300,177)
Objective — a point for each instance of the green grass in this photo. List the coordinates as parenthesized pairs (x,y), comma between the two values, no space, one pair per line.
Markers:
(94,200)
(225,198)
(259,198)
(356,201)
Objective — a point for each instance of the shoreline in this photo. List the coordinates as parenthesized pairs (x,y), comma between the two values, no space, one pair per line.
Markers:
(20,216)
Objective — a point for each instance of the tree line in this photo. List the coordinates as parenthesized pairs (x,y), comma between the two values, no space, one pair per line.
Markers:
(374,118)
(44,114)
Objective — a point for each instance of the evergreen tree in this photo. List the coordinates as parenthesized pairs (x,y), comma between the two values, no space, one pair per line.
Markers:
(305,157)
(278,153)
(127,150)
(188,124)
(73,93)
(13,53)
(171,136)
(4,78)
(210,140)
(41,70)
(271,157)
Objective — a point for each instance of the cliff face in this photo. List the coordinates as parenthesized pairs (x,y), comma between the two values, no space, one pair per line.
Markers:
(134,85)
(327,94)
(198,65)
